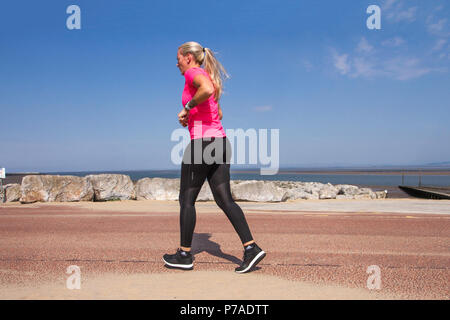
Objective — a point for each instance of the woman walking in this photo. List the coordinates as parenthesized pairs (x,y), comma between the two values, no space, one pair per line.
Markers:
(207,156)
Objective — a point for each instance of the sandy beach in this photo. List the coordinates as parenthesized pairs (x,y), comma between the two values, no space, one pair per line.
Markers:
(315,250)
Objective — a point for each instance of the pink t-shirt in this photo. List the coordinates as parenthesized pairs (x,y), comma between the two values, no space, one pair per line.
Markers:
(204,117)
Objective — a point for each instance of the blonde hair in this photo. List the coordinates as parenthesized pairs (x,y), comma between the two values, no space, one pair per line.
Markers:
(204,56)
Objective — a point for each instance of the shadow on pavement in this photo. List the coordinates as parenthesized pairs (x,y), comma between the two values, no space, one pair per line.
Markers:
(202,243)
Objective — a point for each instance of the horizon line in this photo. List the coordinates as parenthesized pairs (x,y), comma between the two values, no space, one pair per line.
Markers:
(444,166)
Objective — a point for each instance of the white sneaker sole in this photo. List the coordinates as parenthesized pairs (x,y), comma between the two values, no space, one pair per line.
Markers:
(182,266)
(255,261)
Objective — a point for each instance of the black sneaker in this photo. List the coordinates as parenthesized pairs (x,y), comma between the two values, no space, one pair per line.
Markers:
(252,257)
(179,260)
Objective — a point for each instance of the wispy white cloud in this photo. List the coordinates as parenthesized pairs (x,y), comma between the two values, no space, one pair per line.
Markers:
(341,62)
(436,27)
(397,68)
(262,108)
(363,65)
(395,11)
(439,29)
(440,43)
(408,15)
(388,4)
(405,69)
(364,46)
(364,68)
(393,42)
(394,57)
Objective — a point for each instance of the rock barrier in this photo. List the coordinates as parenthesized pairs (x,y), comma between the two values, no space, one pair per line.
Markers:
(107,187)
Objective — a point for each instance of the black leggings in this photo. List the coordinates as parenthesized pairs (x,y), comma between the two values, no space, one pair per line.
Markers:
(195,168)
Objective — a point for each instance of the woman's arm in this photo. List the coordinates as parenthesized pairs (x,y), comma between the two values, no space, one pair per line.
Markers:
(205,89)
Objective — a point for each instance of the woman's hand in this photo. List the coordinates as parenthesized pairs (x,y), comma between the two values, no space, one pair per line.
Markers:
(183,117)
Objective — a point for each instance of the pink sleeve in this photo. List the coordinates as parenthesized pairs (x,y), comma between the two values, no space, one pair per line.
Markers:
(190,74)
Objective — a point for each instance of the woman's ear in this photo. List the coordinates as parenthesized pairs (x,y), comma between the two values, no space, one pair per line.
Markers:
(189,58)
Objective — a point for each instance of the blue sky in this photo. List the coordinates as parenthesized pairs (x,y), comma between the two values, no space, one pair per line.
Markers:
(106,97)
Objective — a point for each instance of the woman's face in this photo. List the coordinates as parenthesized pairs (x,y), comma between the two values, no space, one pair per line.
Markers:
(183,62)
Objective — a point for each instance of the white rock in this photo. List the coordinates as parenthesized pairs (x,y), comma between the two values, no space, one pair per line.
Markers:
(343,196)
(347,189)
(12,192)
(381,194)
(157,189)
(328,192)
(112,187)
(258,190)
(313,187)
(366,193)
(300,193)
(116,186)
(55,188)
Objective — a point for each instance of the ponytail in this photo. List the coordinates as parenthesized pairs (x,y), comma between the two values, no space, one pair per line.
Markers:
(205,57)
